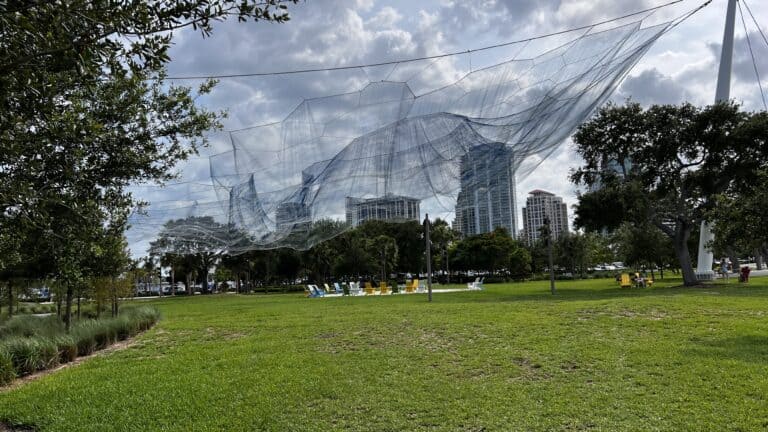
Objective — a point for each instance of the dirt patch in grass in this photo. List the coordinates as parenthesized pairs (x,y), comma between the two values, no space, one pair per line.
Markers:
(8,428)
(650,314)
(221,334)
(529,370)
(425,339)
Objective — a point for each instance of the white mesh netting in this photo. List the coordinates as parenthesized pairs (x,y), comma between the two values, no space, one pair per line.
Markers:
(417,136)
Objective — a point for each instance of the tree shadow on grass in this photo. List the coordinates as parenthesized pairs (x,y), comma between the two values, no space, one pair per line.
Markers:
(746,348)
(568,291)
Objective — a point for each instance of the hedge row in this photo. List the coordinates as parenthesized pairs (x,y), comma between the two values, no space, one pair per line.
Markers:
(31,344)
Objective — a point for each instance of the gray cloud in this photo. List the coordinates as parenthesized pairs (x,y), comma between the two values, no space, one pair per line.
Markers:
(331,33)
(652,87)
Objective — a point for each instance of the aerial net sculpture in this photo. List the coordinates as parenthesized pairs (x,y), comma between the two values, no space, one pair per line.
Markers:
(413,137)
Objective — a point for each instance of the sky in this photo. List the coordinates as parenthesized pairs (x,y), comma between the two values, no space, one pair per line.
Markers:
(681,66)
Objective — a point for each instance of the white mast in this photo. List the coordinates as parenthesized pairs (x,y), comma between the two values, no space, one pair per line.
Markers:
(723,93)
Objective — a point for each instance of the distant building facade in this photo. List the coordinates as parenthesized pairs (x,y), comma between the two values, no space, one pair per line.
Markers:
(292,215)
(486,200)
(387,208)
(538,205)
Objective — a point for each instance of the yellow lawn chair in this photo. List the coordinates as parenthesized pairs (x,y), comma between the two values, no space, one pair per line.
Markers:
(369,290)
(409,287)
(414,286)
(625,281)
(384,289)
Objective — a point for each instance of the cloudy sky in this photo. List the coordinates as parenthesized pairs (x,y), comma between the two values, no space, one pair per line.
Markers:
(681,66)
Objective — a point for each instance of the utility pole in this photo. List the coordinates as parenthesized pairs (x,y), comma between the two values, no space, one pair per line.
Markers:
(429,257)
(722,94)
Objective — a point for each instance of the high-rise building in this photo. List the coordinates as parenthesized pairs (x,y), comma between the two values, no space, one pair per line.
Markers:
(486,199)
(387,208)
(538,205)
(292,215)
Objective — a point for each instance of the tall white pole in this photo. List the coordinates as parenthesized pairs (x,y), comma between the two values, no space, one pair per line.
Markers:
(723,93)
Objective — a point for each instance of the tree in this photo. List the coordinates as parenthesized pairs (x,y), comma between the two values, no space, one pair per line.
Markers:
(492,252)
(199,240)
(84,113)
(442,236)
(664,166)
(740,219)
(571,252)
(643,246)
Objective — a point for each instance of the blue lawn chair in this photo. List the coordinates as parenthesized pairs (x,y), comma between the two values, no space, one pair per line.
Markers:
(314,291)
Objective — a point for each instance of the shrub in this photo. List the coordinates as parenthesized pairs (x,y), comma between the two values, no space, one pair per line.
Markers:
(22,325)
(67,347)
(124,328)
(30,354)
(7,373)
(30,343)
(84,335)
(143,317)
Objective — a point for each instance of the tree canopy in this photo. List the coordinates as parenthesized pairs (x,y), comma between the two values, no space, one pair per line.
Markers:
(84,113)
(664,166)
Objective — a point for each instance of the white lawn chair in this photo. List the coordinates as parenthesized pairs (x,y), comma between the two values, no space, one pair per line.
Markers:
(421,288)
(473,285)
(479,284)
(354,288)
(338,288)
(314,291)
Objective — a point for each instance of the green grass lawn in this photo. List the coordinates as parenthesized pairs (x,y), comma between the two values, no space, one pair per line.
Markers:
(511,357)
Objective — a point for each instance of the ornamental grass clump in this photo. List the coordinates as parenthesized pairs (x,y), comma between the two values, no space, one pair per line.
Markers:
(7,372)
(144,317)
(27,325)
(67,347)
(84,334)
(32,343)
(31,354)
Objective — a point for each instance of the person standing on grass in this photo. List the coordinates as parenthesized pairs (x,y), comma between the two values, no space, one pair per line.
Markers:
(724,268)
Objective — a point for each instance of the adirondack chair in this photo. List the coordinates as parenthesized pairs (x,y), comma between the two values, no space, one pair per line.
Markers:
(625,281)
(354,288)
(369,290)
(411,288)
(314,291)
(384,289)
(473,285)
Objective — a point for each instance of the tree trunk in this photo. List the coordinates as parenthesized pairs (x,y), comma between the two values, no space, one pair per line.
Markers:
(10,299)
(735,265)
(680,243)
(68,309)
(447,269)
(758,259)
(78,306)
(173,282)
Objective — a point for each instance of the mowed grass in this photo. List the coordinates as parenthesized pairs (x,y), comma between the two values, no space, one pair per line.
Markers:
(512,357)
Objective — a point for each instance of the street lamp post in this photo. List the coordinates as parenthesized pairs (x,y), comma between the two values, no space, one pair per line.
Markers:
(429,257)
(548,232)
